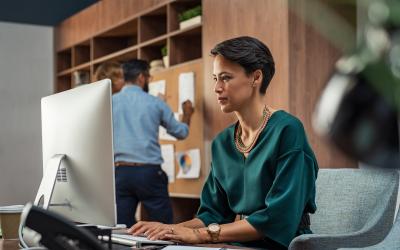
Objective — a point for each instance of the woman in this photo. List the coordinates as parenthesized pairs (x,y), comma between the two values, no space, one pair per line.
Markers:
(112,71)
(263,168)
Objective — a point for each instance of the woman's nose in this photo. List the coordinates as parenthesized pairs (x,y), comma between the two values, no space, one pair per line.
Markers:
(218,87)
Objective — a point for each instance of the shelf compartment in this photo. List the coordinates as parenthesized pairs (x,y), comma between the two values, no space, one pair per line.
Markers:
(64,60)
(116,39)
(152,51)
(81,53)
(120,56)
(63,83)
(185,45)
(153,24)
(80,76)
(177,7)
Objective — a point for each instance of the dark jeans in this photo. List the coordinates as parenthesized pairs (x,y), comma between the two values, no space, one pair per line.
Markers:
(147,184)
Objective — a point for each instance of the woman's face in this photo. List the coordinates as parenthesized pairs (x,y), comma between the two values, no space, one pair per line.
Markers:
(233,87)
(117,83)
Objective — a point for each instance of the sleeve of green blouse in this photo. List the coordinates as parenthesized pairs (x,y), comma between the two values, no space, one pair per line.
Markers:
(213,203)
(292,188)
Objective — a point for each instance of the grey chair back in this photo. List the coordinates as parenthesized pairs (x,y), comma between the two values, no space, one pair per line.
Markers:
(391,242)
(346,199)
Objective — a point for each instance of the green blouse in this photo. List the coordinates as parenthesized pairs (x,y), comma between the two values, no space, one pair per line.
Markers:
(272,187)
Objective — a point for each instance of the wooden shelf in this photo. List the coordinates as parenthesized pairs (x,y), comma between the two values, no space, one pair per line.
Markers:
(143,36)
(79,67)
(116,39)
(81,53)
(153,24)
(152,51)
(64,60)
(185,45)
(177,7)
(121,55)
(63,83)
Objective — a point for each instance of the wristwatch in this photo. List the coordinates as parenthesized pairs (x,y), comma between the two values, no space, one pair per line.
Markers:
(213,230)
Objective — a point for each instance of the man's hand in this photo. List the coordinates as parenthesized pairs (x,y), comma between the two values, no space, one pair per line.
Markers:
(187,108)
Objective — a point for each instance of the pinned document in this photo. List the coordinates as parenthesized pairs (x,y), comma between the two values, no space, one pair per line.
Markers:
(189,164)
(163,134)
(186,89)
(157,87)
(167,152)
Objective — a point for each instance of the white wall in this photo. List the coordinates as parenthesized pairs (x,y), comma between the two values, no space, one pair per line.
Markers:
(26,75)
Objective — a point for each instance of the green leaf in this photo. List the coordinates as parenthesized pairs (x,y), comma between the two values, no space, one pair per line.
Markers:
(195,11)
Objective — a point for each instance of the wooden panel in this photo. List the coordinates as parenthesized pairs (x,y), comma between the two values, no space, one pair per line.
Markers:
(311,60)
(191,187)
(96,18)
(264,19)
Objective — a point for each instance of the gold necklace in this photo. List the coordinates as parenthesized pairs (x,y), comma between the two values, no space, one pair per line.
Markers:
(238,133)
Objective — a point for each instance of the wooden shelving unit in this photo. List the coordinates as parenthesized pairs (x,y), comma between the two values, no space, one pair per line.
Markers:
(140,36)
(143,36)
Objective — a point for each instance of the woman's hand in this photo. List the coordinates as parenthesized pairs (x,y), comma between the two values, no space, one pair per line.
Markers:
(181,234)
(147,228)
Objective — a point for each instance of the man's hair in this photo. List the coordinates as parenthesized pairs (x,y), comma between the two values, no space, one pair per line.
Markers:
(251,54)
(109,70)
(133,68)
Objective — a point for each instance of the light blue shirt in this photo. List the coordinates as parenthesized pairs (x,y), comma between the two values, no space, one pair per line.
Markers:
(136,120)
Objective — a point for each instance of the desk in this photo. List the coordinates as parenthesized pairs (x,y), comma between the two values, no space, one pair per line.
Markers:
(9,244)
(13,245)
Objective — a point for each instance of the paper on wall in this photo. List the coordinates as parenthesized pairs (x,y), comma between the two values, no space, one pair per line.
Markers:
(162,132)
(157,87)
(167,152)
(189,164)
(186,89)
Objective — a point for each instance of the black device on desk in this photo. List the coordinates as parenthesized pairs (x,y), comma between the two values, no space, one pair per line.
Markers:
(56,232)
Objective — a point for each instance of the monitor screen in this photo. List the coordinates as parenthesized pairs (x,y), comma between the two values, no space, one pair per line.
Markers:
(78,124)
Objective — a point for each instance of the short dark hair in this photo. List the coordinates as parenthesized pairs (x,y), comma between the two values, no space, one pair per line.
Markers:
(251,54)
(133,68)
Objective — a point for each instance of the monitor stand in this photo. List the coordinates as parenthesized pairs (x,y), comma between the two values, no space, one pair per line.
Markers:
(48,181)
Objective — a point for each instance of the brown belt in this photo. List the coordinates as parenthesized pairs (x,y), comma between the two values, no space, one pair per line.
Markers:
(128,164)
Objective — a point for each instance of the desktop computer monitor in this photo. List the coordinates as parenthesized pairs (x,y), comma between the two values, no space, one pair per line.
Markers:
(78,158)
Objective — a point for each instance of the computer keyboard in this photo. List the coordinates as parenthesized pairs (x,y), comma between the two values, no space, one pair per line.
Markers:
(136,241)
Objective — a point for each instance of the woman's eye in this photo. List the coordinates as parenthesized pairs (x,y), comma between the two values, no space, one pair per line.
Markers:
(225,78)
(215,79)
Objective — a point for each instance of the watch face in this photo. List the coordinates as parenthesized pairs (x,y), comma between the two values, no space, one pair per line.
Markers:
(213,227)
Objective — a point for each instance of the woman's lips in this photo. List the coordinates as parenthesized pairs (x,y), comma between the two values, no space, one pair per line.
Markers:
(222,100)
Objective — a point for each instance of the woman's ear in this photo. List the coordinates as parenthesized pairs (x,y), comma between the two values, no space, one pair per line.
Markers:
(258,76)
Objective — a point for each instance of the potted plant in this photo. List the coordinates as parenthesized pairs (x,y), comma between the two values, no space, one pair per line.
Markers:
(164,52)
(190,17)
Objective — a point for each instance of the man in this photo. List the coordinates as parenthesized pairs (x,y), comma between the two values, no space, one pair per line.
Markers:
(136,119)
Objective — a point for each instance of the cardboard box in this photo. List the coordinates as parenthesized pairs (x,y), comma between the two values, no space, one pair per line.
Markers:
(10,224)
